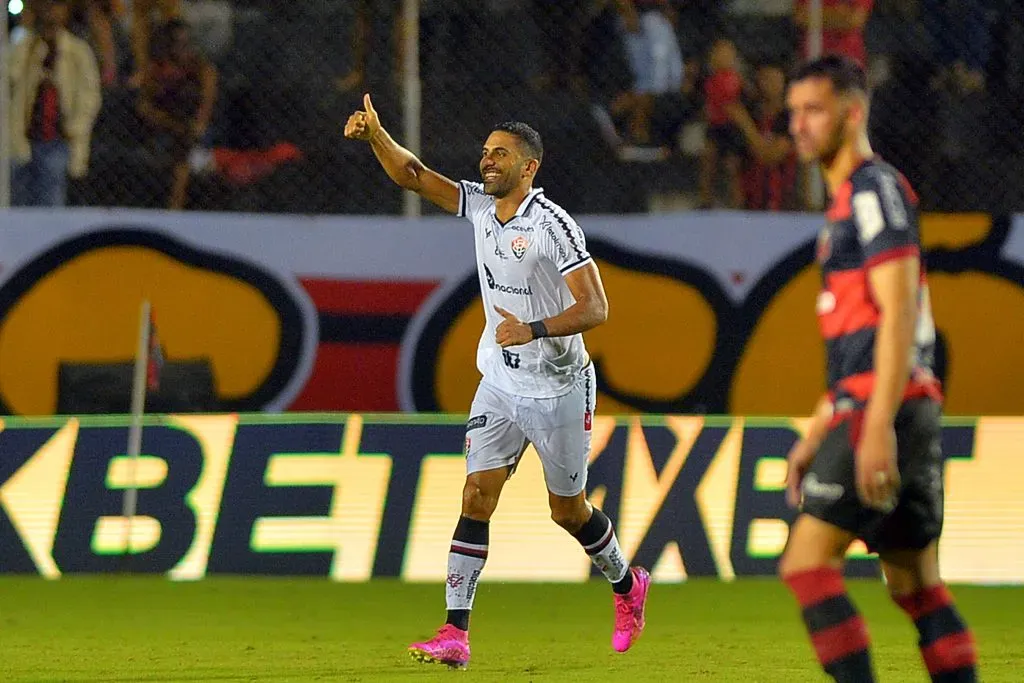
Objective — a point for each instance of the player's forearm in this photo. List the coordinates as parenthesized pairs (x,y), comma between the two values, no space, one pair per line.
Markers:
(893,344)
(820,419)
(580,317)
(401,165)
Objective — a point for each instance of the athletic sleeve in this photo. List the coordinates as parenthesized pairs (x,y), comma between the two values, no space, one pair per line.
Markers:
(563,241)
(886,218)
(472,199)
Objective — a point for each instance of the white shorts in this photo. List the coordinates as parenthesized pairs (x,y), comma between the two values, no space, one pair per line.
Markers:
(501,425)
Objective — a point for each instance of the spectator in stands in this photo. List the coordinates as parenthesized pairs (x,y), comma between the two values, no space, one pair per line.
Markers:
(55,97)
(723,145)
(178,94)
(770,165)
(655,59)
(842,24)
(91,20)
(142,14)
(210,22)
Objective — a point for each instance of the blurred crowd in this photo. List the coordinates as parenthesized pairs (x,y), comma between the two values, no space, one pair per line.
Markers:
(644,104)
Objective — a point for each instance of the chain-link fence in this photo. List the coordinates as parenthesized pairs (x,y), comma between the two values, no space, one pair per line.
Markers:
(643,104)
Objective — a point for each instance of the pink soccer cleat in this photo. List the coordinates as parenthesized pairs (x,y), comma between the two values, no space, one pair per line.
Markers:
(629,611)
(450,647)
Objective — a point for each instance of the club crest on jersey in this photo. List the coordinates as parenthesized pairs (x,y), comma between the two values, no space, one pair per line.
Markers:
(519,246)
(588,421)
(824,246)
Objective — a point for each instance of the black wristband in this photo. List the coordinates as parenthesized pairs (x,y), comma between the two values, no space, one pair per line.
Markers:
(538,329)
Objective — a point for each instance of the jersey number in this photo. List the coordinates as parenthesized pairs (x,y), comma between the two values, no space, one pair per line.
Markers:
(511,359)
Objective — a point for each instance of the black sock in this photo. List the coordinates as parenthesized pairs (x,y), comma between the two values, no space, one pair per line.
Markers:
(459,618)
(598,539)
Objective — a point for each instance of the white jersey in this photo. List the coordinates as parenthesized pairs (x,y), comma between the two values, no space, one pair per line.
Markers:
(522,265)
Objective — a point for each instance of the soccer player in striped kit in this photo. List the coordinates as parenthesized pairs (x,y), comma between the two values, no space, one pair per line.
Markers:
(871,465)
(541,290)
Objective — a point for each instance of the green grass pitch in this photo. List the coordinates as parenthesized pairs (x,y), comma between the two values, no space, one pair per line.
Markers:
(128,629)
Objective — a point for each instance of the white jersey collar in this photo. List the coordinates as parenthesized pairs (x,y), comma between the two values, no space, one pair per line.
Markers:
(524,205)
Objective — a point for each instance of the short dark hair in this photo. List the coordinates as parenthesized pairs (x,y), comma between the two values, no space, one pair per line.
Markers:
(526,134)
(846,75)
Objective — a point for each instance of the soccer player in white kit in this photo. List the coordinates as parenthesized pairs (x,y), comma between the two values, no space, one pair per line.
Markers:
(541,290)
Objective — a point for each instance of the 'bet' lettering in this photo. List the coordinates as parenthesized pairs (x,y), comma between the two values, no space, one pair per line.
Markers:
(88,498)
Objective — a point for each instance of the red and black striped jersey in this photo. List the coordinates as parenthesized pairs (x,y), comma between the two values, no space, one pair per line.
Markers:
(872,218)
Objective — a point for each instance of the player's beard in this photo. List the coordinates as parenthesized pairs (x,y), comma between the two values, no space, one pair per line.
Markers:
(501,187)
(504,185)
(836,140)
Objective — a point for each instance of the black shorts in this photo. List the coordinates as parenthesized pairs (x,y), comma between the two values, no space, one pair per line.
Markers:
(830,491)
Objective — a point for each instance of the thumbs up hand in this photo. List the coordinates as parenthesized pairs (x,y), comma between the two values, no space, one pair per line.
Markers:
(363,124)
(511,331)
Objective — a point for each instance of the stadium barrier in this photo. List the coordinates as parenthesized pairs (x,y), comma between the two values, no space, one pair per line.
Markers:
(360,314)
(352,496)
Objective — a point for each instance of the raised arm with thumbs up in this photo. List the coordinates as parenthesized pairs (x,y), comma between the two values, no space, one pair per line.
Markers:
(401,165)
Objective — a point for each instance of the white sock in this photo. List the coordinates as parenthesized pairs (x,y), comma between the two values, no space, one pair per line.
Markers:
(465,562)
(598,539)
(463,573)
(606,554)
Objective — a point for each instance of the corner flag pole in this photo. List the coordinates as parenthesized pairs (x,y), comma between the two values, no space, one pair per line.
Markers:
(138,406)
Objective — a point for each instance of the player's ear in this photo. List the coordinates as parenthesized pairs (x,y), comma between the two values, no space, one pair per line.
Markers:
(531,167)
(858,108)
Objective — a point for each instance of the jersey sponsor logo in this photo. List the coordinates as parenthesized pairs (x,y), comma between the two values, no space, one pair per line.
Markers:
(549,227)
(867,212)
(519,246)
(894,204)
(476,422)
(503,288)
